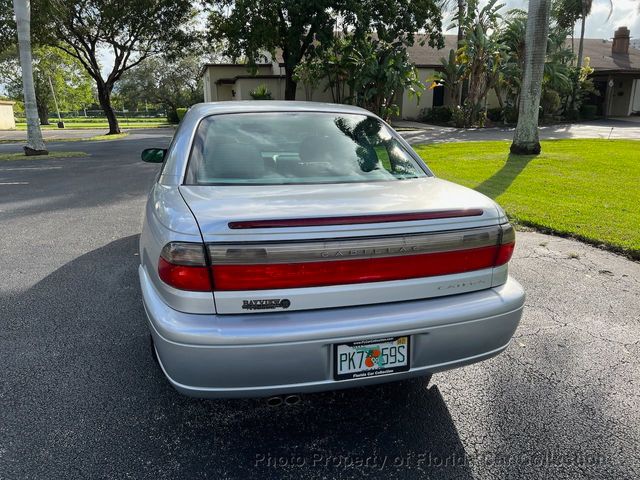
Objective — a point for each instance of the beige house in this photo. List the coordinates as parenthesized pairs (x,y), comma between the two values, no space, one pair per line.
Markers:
(616,76)
(7,121)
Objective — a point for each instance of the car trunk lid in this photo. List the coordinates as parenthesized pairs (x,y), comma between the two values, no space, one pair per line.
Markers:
(321,246)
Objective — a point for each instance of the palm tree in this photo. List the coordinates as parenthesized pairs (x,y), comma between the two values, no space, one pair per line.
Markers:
(35,144)
(525,139)
(462,14)
(584,13)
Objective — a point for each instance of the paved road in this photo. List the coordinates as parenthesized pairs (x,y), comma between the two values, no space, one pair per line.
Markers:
(628,128)
(80,396)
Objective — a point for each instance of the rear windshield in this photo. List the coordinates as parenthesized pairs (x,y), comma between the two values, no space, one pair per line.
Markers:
(292,148)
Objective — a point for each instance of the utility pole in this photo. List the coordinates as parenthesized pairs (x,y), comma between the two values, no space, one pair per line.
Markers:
(55,101)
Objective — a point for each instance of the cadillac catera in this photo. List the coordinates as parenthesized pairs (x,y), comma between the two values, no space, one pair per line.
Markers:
(292,247)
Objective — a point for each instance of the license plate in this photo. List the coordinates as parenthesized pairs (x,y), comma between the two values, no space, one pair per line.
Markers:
(370,358)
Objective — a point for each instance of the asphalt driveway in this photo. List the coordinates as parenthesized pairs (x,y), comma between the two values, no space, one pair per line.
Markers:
(80,396)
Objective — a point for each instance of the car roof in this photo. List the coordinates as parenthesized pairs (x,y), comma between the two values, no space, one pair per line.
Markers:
(248,106)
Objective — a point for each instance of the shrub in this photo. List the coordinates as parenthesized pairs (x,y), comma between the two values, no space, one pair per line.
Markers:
(180,112)
(572,115)
(440,114)
(510,114)
(550,102)
(172,115)
(495,114)
(261,92)
(588,112)
(459,116)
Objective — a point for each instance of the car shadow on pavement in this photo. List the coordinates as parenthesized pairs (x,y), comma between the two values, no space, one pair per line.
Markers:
(82,397)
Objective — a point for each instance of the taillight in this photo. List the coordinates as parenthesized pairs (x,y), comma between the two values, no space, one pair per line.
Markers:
(506,246)
(262,266)
(183,265)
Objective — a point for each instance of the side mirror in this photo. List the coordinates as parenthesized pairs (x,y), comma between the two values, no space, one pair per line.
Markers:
(153,155)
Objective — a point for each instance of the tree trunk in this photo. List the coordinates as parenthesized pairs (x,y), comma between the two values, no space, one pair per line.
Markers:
(104,97)
(576,85)
(35,144)
(462,13)
(290,85)
(43,113)
(525,139)
(499,97)
(581,44)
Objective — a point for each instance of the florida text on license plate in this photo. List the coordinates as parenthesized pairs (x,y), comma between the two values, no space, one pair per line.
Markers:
(369,358)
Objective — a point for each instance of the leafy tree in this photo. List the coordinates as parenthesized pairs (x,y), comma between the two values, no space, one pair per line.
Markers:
(35,144)
(585,11)
(335,64)
(482,54)
(252,28)
(450,76)
(566,13)
(310,74)
(394,21)
(508,88)
(170,82)
(364,71)
(298,29)
(526,139)
(131,31)
(70,81)
(7,25)
(380,73)
(558,72)
(459,22)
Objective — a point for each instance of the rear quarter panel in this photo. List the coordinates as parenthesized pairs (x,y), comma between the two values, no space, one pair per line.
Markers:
(168,219)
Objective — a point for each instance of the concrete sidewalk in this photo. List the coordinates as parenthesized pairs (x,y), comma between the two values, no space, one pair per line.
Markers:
(628,128)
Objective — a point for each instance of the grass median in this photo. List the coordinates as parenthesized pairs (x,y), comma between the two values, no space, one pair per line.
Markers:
(587,189)
(97,123)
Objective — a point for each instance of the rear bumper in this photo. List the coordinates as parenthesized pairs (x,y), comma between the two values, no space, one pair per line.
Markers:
(275,353)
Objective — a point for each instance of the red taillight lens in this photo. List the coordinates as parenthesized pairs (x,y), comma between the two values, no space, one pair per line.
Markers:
(315,274)
(504,254)
(183,265)
(506,246)
(334,262)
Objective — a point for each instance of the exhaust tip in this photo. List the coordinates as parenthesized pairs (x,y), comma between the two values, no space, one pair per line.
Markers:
(292,399)
(274,401)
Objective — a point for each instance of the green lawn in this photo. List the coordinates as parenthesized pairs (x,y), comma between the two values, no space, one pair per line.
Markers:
(589,189)
(52,155)
(116,136)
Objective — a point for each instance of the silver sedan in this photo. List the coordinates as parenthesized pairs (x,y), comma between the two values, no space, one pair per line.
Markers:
(292,247)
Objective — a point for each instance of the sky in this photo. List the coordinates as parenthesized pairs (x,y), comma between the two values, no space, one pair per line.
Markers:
(625,13)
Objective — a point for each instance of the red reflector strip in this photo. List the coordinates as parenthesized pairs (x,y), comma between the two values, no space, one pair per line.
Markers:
(504,253)
(353,220)
(184,277)
(315,274)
